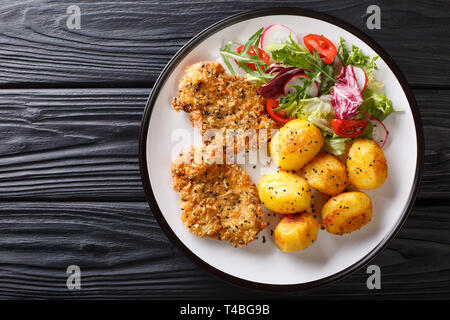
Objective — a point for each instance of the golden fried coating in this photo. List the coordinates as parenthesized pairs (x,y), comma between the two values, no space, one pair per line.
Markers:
(217,200)
(217,100)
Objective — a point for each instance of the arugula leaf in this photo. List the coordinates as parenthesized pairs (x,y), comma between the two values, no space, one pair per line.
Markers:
(342,51)
(224,53)
(292,54)
(244,57)
(289,103)
(324,69)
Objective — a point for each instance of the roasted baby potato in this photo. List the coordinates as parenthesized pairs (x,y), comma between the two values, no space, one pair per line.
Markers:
(284,192)
(347,212)
(296,232)
(366,164)
(295,144)
(326,174)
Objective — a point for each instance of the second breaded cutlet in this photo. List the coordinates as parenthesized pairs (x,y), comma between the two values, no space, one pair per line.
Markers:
(217,200)
(215,99)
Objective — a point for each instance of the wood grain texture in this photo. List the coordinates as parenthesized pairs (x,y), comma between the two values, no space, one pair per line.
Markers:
(71,144)
(128,43)
(436,123)
(81,144)
(123,253)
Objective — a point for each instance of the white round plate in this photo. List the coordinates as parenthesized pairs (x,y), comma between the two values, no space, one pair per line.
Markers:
(260,264)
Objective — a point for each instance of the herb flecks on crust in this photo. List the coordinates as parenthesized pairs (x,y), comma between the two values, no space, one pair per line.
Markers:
(217,200)
(217,100)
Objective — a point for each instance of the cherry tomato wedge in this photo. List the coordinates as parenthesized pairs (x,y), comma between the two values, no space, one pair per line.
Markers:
(325,48)
(348,128)
(279,115)
(261,53)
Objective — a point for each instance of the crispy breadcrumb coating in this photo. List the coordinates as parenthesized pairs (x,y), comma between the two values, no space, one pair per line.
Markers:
(217,200)
(217,100)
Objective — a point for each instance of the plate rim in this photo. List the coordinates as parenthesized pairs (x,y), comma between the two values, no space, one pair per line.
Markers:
(192,43)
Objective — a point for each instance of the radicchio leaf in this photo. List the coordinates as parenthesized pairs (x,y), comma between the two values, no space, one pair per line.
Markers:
(274,88)
(346,95)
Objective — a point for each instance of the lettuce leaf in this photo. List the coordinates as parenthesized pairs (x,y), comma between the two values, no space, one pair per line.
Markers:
(374,85)
(356,57)
(334,144)
(318,111)
(321,123)
(318,107)
(377,105)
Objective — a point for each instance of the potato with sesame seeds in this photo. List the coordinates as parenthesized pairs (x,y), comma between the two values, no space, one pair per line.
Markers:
(326,174)
(347,212)
(284,192)
(366,164)
(295,144)
(296,232)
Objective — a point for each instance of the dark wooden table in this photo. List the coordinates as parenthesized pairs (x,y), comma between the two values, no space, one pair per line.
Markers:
(71,102)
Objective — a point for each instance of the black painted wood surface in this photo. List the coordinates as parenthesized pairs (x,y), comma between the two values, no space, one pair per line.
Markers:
(70,108)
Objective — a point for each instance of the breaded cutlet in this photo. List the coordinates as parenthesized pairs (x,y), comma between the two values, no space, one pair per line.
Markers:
(217,200)
(215,99)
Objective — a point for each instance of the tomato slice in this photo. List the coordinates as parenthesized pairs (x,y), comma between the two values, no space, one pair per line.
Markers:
(264,56)
(325,48)
(261,53)
(348,128)
(279,115)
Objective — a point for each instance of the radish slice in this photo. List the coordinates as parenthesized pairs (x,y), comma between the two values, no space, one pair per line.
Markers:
(294,80)
(361,77)
(297,81)
(314,91)
(275,68)
(380,133)
(277,33)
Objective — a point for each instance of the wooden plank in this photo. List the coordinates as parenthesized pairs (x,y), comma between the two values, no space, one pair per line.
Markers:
(70,144)
(128,43)
(81,144)
(436,122)
(123,253)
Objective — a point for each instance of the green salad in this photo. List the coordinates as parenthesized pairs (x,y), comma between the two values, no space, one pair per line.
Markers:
(333,87)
